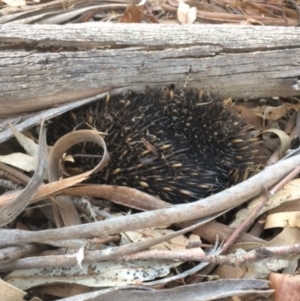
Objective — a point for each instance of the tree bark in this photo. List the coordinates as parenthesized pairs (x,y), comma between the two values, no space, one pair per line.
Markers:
(41,64)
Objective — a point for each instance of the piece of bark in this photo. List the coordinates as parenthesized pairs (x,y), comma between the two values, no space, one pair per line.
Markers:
(237,61)
(27,121)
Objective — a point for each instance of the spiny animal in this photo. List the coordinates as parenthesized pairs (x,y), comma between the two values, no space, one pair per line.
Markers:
(176,144)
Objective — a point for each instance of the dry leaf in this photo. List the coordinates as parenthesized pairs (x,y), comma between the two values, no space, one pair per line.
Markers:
(283,219)
(134,14)
(226,271)
(28,144)
(131,15)
(285,143)
(263,267)
(287,237)
(289,193)
(249,116)
(275,113)
(9,292)
(21,161)
(98,274)
(177,243)
(286,287)
(64,207)
(15,3)
(12,209)
(186,14)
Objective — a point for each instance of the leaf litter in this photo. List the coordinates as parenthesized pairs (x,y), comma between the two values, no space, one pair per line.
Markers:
(89,264)
(71,257)
(255,12)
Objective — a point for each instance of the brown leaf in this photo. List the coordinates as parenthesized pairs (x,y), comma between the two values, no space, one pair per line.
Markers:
(16,205)
(285,144)
(283,219)
(66,208)
(286,287)
(248,115)
(132,14)
(149,18)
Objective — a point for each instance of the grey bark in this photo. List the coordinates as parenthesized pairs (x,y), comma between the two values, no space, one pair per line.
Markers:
(43,60)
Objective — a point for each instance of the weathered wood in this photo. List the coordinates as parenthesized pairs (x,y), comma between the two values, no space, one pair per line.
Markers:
(43,60)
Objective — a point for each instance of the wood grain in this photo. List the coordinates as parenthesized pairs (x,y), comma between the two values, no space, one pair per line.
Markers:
(40,61)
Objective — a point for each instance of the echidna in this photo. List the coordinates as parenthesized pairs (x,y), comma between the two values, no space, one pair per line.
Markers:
(175,144)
